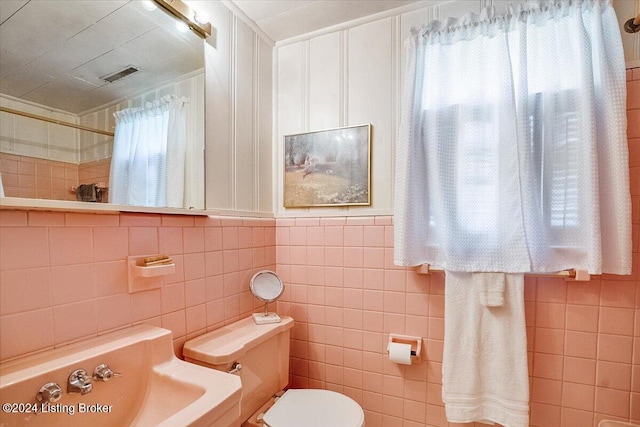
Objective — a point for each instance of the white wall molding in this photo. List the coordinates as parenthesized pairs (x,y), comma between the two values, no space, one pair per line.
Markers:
(344,80)
(250,22)
(239,118)
(233,101)
(256,121)
(322,212)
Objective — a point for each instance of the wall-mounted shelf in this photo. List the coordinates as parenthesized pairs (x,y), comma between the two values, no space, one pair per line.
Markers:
(144,278)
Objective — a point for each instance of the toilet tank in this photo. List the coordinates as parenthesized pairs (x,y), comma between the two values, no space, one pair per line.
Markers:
(262,350)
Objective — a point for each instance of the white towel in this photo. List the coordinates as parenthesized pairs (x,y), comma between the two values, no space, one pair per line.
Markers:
(490,288)
(484,368)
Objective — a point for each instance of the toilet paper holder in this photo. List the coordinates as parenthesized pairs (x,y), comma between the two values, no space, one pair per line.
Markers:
(415,342)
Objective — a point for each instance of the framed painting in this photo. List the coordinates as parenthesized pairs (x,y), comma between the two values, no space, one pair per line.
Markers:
(328,167)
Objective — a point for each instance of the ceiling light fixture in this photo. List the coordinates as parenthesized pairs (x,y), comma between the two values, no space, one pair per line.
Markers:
(181,27)
(187,15)
(149,5)
(201,17)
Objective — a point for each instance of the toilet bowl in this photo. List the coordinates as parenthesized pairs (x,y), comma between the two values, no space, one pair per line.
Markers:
(259,354)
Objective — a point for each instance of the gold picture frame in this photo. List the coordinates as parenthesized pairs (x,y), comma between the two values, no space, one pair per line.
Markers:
(329,167)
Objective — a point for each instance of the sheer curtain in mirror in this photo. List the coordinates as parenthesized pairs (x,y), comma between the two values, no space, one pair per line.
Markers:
(149,154)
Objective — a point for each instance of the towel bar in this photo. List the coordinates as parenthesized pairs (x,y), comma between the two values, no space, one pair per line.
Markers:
(100,185)
(577,275)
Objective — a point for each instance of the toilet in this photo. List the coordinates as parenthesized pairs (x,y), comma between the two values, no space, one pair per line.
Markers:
(259,354)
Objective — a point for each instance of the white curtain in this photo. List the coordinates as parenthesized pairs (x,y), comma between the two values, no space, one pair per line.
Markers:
(148,162)
(512,153)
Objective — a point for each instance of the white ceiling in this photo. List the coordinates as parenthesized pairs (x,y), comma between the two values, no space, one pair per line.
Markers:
(283,19)
(54,53)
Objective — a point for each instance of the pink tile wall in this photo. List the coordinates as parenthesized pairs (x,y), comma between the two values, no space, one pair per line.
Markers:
(346,297)
(63,276)
(35,178)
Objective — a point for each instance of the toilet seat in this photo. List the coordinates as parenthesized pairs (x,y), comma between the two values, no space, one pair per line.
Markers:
(314,408)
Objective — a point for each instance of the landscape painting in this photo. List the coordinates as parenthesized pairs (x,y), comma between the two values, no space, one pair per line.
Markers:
(328,168)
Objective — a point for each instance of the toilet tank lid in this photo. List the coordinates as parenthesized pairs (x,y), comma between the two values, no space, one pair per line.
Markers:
(227,344)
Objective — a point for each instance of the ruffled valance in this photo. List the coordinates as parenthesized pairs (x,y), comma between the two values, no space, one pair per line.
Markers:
(150,109)
(488,23)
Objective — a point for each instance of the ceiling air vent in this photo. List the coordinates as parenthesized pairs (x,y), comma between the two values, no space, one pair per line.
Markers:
(120,74)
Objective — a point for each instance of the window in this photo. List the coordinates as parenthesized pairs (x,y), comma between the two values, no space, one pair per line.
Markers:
(512,156)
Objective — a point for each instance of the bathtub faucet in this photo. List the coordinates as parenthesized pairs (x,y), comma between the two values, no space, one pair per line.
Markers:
(79,382)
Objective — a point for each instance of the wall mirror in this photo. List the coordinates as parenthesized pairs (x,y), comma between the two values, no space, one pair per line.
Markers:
(78,62)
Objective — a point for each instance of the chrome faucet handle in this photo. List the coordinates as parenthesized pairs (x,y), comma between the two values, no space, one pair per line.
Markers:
(49,393)
(103,372)
(79,382)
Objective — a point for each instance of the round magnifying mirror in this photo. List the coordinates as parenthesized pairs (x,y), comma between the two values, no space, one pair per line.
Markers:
(266,286)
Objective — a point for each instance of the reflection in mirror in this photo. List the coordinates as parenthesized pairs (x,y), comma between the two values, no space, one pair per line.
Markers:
(79,62)
(267,287)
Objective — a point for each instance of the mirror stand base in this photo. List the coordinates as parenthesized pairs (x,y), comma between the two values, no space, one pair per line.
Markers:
(263,319)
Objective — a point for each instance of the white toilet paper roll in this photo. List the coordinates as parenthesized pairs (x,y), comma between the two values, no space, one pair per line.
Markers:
(400,353)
